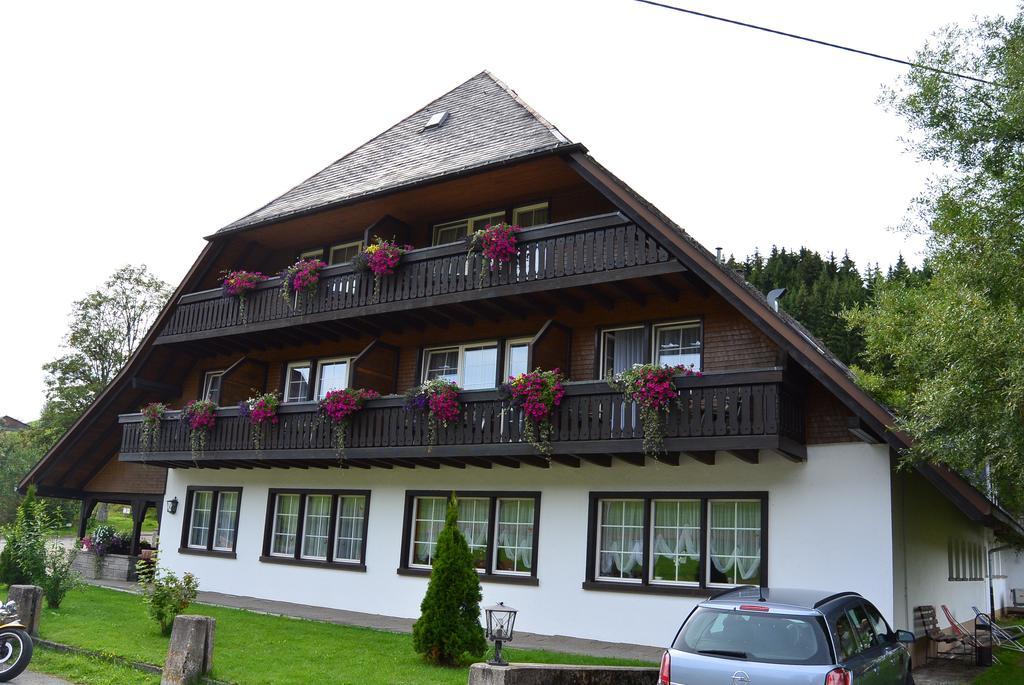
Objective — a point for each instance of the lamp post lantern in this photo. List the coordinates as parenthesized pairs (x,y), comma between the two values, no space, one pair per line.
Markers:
(172,505)
(501,621)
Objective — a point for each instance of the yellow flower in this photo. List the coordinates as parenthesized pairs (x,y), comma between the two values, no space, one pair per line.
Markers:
(372,248)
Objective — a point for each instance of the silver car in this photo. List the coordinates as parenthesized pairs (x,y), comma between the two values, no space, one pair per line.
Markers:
(762,636)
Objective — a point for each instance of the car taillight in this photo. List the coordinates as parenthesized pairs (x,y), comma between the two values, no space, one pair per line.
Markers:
(838,676)
(665,675)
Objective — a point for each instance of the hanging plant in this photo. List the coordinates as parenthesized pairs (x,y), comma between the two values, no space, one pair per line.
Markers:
(152,414)
(338,407)
(200,417)
(379,258)
(496,242)
(238,284)
(439,400)
(652,388)
(300,279)
(538,393)
(261,410)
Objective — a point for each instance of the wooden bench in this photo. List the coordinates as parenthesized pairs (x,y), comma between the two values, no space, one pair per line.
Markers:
(935,635)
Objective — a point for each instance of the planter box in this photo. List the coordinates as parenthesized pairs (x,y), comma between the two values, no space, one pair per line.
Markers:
(109,567)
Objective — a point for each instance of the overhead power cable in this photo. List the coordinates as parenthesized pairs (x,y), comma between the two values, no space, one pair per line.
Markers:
(825,43)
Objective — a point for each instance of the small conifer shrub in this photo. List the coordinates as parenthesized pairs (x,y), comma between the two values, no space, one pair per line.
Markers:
(449,623)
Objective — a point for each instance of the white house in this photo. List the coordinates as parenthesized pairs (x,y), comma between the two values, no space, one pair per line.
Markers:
(778,469)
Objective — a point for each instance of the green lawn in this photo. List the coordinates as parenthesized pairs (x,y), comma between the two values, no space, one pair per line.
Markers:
(256,648)
(88,671)
(1009,672)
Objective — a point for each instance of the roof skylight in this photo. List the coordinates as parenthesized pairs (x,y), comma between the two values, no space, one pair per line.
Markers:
(437,120)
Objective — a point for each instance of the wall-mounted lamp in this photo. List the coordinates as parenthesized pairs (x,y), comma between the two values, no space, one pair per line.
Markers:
(172,505)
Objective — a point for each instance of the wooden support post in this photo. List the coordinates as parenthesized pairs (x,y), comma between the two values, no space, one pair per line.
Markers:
(138,514)
(83,515)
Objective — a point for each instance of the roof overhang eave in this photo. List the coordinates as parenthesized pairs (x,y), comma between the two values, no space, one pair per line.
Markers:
(559,149)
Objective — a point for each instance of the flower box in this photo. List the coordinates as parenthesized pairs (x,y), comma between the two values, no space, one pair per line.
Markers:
(107,567)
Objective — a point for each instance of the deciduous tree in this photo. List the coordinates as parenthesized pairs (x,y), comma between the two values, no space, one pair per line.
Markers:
(948,352)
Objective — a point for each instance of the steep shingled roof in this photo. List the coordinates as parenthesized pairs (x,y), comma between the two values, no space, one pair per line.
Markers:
(487,123)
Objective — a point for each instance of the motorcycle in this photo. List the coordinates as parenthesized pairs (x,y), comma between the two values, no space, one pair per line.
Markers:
(15,643)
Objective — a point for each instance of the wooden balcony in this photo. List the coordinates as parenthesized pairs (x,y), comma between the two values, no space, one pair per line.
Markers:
(738,412)
(569,254)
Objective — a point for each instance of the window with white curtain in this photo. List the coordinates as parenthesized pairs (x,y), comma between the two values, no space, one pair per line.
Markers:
(499,529)
(226,522)
(677,344)
(211,519)
(315,526)
(621,540)
(473,523)
(318,527)
(675,543)
(734,542)
(683,540)
(199,527)
(621,348)
(348,541)
(513,544)
(286,523)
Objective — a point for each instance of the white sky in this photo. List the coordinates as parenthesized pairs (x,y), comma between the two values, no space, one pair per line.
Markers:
(130,130)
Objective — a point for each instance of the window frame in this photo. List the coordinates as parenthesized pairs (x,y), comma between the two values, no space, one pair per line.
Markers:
(592,581)
(468,220)
(706,542)
(509,344)
(461,348)
(530,208)
(208,376)
(358,244)
(315,253)
(310,382)
(186,523)
(296,558)
(320,363)
(681,323)
(603,332)
(489,573)
(649,327)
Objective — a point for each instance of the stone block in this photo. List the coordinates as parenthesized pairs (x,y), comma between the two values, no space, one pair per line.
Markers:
(190,653)
(29,599)
(108,567)
(560,674)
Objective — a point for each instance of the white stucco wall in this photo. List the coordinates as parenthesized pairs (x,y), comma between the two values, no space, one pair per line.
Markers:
(1013,567)
(924,523)
(829,528)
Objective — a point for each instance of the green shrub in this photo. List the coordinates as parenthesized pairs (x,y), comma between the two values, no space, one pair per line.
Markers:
(10,572)
(60,577)
(26,537)
(449,623)
(164,593)
(34,554)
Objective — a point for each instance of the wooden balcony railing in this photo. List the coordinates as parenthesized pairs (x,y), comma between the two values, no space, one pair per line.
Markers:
(565,254)
(747,410)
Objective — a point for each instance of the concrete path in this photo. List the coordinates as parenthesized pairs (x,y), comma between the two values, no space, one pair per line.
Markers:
(947,673)
(30,678)
(553,643)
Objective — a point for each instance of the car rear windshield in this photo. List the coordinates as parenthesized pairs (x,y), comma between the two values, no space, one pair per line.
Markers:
(755,636)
